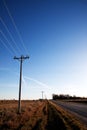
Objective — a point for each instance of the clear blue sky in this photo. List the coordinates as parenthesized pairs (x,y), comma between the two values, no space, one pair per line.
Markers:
(54,34)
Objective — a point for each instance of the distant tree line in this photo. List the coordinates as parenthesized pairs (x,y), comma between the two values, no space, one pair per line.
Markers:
(64,96)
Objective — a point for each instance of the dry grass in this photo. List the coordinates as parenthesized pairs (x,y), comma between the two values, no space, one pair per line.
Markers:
(36,115)
(31,118)
(82,100)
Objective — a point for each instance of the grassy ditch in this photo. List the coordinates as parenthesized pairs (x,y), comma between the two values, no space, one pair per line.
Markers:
(54,120)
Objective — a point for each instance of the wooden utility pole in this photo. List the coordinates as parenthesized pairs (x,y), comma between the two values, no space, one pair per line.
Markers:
(21,59)
(42,94)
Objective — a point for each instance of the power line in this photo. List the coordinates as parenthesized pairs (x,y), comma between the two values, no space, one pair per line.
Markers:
(8,41)
(21,59)
(7,47)
(15,26)
(9,34)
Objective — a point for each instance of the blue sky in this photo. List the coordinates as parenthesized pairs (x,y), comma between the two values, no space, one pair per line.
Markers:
(54,34)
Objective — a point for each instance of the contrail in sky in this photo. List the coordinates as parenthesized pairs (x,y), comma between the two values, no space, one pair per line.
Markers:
(36,81)
(25,77)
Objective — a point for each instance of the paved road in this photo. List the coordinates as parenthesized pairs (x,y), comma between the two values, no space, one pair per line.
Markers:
(80,110)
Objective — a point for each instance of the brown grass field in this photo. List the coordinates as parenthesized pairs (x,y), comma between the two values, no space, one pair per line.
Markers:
(36,115)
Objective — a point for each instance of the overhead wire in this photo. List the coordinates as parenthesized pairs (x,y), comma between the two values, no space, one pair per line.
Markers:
(8,42)
(10,34)
(7,48)
(16,28)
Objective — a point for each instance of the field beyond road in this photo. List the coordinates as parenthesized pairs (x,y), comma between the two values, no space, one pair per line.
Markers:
(36,115)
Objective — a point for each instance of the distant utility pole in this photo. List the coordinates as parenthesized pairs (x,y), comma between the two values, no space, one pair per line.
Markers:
(42,94)
(21,59)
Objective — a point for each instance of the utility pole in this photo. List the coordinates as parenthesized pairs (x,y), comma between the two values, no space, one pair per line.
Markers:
(21,59)
(42,94)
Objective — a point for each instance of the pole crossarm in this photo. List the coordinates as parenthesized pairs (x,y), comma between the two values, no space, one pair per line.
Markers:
(22,58)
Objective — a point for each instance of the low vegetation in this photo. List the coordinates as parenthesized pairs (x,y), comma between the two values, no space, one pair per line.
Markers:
(36,115)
